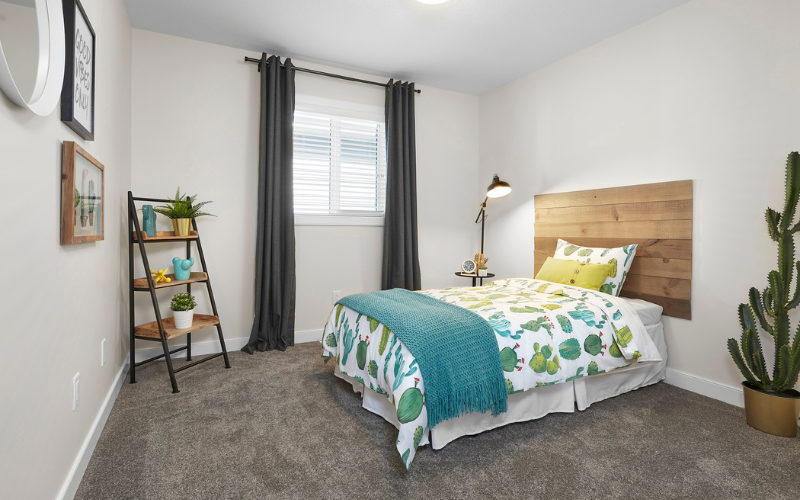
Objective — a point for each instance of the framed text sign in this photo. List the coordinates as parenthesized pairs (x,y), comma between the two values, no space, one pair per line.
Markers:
(77,95)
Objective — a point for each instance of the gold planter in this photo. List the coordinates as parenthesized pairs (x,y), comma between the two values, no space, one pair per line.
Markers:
(776,415)
(181,226)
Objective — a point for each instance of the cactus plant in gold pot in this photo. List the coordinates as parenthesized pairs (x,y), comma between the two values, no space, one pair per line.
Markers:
(771,403)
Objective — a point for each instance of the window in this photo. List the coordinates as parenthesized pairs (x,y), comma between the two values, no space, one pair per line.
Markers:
(339,168)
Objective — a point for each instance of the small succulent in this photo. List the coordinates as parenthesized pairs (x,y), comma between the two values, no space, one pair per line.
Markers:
(182,302)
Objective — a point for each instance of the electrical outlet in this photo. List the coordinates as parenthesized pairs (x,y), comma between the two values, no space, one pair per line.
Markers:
(103,352)
(337,294)
(76,390)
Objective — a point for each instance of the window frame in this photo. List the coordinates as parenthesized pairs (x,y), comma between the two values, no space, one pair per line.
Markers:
(344,109)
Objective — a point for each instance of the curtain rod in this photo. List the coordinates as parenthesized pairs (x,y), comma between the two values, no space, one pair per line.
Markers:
(330,75)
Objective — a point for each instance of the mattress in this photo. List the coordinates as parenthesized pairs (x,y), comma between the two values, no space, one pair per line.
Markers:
(649,313)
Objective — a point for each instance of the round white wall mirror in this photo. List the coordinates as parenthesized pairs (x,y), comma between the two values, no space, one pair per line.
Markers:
(32,53)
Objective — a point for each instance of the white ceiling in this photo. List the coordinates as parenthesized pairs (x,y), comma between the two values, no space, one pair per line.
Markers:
(470,46)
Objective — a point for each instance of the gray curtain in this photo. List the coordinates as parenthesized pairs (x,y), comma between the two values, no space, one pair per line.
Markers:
(400,241)
(273,325)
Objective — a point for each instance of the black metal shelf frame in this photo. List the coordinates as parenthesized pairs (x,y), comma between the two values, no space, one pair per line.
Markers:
(134,228)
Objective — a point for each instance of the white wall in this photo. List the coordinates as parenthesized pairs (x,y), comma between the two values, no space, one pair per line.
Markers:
(195,125)
(708,91)
(59,302)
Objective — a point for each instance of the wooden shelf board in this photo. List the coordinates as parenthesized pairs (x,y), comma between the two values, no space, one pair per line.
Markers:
(199,322)
(140,284)
(166,236)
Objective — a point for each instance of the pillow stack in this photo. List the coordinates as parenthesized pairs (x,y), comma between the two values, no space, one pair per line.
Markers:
(620,259)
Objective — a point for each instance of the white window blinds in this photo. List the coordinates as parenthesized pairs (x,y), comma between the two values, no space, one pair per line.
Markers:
(339,165)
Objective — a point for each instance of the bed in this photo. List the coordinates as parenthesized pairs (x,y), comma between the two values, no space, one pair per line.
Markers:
(561,347)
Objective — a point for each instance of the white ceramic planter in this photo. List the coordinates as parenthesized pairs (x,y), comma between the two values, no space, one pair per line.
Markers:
(483,272)
(183,319)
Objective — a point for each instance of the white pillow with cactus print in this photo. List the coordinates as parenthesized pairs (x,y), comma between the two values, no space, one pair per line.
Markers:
(622,258)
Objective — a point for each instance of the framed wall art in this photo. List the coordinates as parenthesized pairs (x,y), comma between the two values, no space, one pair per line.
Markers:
(77,95)
(82,196)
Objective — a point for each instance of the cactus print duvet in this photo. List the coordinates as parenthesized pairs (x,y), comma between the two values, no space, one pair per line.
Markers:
(547,334)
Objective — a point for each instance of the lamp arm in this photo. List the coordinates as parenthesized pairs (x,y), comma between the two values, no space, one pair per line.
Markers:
(482,213)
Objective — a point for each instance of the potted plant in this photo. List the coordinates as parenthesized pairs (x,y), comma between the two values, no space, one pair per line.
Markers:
(771,403)
(480,261)
(181,210)
(182,306)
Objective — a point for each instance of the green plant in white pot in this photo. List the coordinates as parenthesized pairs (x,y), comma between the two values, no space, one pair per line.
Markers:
(182,306)
(771,403)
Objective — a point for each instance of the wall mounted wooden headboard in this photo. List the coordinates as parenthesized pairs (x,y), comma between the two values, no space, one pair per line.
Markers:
(656,216)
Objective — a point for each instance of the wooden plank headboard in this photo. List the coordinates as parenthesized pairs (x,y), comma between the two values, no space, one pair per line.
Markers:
(656,216)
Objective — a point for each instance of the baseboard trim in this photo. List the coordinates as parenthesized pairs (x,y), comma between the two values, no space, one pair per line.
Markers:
(75,475)
(715,390)
(305,336)
(212,346)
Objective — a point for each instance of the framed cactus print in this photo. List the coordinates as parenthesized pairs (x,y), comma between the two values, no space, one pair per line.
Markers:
(82,196)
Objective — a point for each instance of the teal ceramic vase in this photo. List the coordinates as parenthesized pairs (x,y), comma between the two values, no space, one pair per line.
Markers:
(182,268)
(149,221)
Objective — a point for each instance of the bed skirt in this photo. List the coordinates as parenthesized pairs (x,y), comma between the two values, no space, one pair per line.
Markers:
(535,403)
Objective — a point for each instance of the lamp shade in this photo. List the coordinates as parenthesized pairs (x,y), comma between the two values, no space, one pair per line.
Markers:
(497,188)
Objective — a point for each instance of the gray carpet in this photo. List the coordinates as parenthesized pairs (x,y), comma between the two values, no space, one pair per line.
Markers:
(280,425)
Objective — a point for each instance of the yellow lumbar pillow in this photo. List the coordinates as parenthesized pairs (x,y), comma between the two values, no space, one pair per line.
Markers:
(574,273)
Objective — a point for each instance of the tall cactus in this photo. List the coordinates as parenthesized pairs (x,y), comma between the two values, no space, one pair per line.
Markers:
(771,307)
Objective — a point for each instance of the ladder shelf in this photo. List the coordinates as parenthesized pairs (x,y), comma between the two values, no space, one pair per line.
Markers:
(163,329)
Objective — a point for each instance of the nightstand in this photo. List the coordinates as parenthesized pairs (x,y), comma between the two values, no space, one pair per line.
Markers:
(475,277)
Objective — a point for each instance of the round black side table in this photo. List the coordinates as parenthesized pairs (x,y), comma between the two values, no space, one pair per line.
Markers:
(475,277)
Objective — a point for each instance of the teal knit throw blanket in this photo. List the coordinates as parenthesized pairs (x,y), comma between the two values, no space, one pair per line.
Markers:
(456,350)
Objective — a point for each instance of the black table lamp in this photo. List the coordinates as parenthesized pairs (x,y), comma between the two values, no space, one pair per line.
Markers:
(497,189)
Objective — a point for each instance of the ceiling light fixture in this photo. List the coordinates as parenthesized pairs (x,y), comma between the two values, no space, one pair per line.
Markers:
(431,2)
